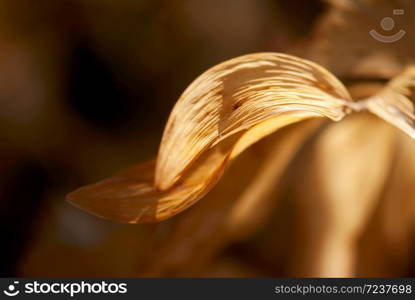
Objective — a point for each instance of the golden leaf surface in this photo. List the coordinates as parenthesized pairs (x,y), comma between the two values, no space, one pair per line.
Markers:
(239,94)
(224,111)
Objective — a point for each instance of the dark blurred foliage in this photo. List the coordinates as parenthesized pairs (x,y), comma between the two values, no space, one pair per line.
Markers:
(85,90)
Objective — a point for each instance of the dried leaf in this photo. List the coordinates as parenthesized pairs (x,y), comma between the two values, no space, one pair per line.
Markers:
(349,168)
(393,103)
(224,111)
(386,244)
(238,94)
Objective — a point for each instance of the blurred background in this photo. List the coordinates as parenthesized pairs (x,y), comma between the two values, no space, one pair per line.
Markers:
(85,90)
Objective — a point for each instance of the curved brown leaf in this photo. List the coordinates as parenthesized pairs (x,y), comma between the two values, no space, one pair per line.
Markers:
(224,111)
(238,94)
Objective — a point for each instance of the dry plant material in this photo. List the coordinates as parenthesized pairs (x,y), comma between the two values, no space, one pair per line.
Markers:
(353,191)
(342,42)
(239,94)
(238,207)
(223,112)
(347,178)
(393,103)
(349,168)
(386,243)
